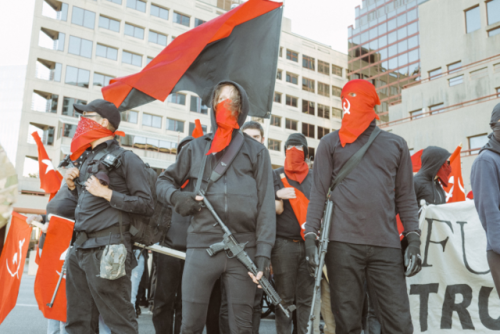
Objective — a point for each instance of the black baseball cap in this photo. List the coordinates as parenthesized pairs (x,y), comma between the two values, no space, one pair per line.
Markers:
(104,108)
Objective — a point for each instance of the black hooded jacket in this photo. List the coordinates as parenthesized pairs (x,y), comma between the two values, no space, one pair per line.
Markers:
(243,197)
(427,187)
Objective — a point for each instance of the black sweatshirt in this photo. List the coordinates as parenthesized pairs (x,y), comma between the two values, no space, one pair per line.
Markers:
(427,187)
(243,197)
(287,225)
(367,201)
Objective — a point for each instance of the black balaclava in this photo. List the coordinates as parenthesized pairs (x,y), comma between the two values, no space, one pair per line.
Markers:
(297,139)
(494,142)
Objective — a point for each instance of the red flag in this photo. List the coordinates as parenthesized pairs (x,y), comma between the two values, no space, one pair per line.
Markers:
(401,228)
(50,178)
(198,130)
(299,205)
(416,161)
(455,191)
(12,263)
(54,252)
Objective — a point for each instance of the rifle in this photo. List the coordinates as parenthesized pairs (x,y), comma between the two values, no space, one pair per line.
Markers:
(322,249)
(231,246)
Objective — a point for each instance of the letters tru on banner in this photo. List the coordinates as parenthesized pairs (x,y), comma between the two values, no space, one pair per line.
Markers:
(455,289)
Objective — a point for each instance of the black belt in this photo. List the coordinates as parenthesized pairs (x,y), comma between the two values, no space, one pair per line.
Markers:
(82,236)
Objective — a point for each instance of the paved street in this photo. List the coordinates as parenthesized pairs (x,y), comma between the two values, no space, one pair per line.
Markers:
(25,318)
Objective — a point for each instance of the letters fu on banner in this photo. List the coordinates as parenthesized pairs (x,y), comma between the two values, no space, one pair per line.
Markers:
(454,292)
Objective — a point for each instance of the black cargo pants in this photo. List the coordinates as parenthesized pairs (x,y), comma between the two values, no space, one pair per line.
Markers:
(89,295)
(349,266)
(200,274)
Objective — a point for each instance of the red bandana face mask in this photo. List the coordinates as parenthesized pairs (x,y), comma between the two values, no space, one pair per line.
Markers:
(444,174)
(86,132)
(359,109)
(295,167)
(226,123)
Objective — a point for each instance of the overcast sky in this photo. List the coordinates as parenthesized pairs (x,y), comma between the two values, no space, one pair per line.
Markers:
(325,21)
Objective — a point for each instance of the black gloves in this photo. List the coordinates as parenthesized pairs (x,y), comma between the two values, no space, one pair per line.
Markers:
(262,264)
(185,203)
(311,253)
(413,260)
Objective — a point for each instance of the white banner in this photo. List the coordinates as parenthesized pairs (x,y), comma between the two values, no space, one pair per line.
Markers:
(454,292)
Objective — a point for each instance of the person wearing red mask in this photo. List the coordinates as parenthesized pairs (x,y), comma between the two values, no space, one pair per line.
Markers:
(364,241)
(291,274)
(433,174)
(243,198)
(104,200)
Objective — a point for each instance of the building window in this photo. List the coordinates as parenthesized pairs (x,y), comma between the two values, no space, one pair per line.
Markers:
(435,74)
(80,47)
(279,75)
(175,125)
(48,70)
(322,132)
(292,55)
(416,114)
(323,89)
(198,22)
(68,130)
(118,2)
(31,167)
(277,97)
(157,38)
(493,9)
(106,52)
(275,121)
(77,76)
(45,132)
(129,116)
(149,144)
(337,70)
(131,58)
(308,62)
(148,60)
(291,124)
(336,112)
(323,67)
(110,24)
(192,126)
(274,145)
(336,91)
(151,120)
(323,111)
(291,101)
(44,102)
(55,10)
(281,52)
(308,107)
(51,39)
(455,67)
(477,142)
(137,5)
(498,92)
(434,109)
(101,80)
(308,130)
(311,151)
(177,98)
(82,17)
(456,80)
(68,109)
(292,78)
(472,19)
(308,84)
(134,31)
(181,19)
(160,12)
(197,106)
(493,32)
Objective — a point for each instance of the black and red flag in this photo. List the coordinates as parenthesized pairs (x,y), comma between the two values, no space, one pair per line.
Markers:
(242,45)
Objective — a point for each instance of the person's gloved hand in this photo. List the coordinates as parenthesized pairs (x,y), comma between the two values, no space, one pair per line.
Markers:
(186,203)
(413,260)
(311,253)
(262,264)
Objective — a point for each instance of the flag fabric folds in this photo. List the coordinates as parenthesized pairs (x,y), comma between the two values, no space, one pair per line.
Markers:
(198,130)
(12,263)
(241,45)
(54,252)
(455,192)
(299,205)
(50,178)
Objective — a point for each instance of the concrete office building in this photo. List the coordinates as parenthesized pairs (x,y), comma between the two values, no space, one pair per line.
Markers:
(460,85)
(78,46)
